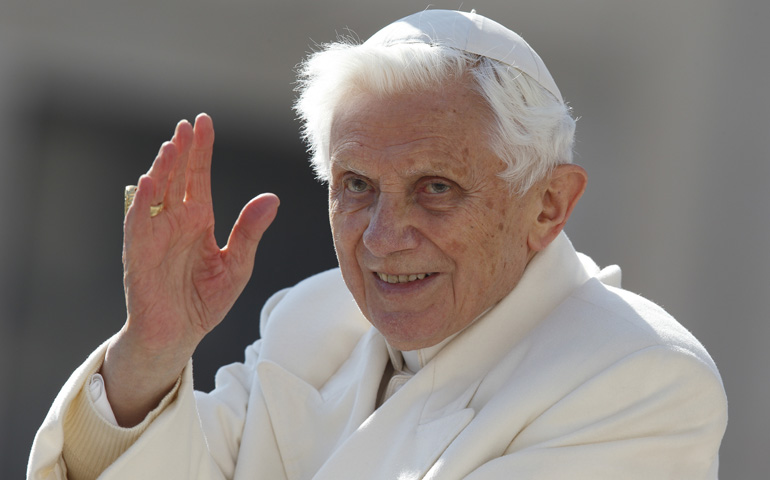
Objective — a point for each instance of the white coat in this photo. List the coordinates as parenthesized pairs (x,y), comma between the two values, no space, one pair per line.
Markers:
(566,378)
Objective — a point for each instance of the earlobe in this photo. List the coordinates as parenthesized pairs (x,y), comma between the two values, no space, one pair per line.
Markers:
(558,196)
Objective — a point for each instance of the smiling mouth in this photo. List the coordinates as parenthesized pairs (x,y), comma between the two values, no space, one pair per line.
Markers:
(402,278)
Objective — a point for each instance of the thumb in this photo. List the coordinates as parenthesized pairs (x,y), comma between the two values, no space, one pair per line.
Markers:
(254,219)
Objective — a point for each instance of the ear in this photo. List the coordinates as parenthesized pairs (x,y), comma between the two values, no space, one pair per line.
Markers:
(557,196)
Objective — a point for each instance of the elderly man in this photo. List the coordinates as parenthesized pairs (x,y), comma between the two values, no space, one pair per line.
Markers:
(462,335)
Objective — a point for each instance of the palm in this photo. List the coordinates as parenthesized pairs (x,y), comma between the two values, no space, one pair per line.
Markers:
(179,284)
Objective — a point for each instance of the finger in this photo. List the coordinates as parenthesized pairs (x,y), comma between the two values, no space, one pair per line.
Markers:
(199,161)
(254,219)
(161,170)
(137,222)
(182,139)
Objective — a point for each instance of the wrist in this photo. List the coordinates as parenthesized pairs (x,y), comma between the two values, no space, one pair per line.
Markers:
(136,380)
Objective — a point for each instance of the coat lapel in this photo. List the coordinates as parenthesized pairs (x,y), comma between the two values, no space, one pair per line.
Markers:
(407,434)
(334,431)
(308,422)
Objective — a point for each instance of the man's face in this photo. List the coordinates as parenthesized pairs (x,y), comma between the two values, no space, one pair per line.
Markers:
(427,235)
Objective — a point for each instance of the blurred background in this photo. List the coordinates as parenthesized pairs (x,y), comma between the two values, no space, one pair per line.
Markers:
(673,103)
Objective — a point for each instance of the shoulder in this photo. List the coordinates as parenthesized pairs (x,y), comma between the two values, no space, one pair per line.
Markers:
(317,318)
(620,349)
(617,315)
(611,336)
(607,366)
(316,294)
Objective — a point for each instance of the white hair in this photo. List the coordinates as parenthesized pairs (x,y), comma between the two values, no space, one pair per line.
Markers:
(532,130)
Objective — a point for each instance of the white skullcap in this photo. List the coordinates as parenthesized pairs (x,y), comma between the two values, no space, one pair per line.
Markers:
(471,33)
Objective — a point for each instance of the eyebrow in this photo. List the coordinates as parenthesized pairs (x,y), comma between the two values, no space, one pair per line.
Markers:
(410,172)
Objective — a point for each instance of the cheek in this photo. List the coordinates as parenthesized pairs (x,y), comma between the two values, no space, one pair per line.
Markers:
(474,248)
(347,231)
(457,247)
(513,253)
(493,243)
(345,244)
(484,233)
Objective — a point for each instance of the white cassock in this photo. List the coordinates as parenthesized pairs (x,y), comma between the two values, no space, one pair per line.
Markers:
(566,378)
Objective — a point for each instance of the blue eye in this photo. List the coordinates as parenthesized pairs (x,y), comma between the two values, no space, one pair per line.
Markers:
(356,185)
(437,187)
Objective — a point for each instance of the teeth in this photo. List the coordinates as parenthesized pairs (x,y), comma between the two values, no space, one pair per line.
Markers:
(402,278)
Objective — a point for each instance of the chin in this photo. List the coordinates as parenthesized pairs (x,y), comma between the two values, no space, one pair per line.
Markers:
(405,334)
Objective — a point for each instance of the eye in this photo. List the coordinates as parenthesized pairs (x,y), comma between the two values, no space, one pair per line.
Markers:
(437,187)
(356,185)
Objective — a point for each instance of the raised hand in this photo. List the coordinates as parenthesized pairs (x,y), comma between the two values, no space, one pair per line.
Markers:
(179,284)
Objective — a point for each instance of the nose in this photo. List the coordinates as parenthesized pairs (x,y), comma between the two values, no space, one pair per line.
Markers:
(390,228)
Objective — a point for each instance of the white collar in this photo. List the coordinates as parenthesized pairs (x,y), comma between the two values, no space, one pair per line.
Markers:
(411,361)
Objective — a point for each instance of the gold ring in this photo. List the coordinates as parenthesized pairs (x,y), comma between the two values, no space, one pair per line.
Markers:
(128,199)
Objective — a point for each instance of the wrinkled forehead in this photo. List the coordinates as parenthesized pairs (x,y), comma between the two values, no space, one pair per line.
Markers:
(471,33)
(419,134)
(453,109)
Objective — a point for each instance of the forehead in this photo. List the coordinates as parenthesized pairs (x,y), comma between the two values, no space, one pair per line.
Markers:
(434,132)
